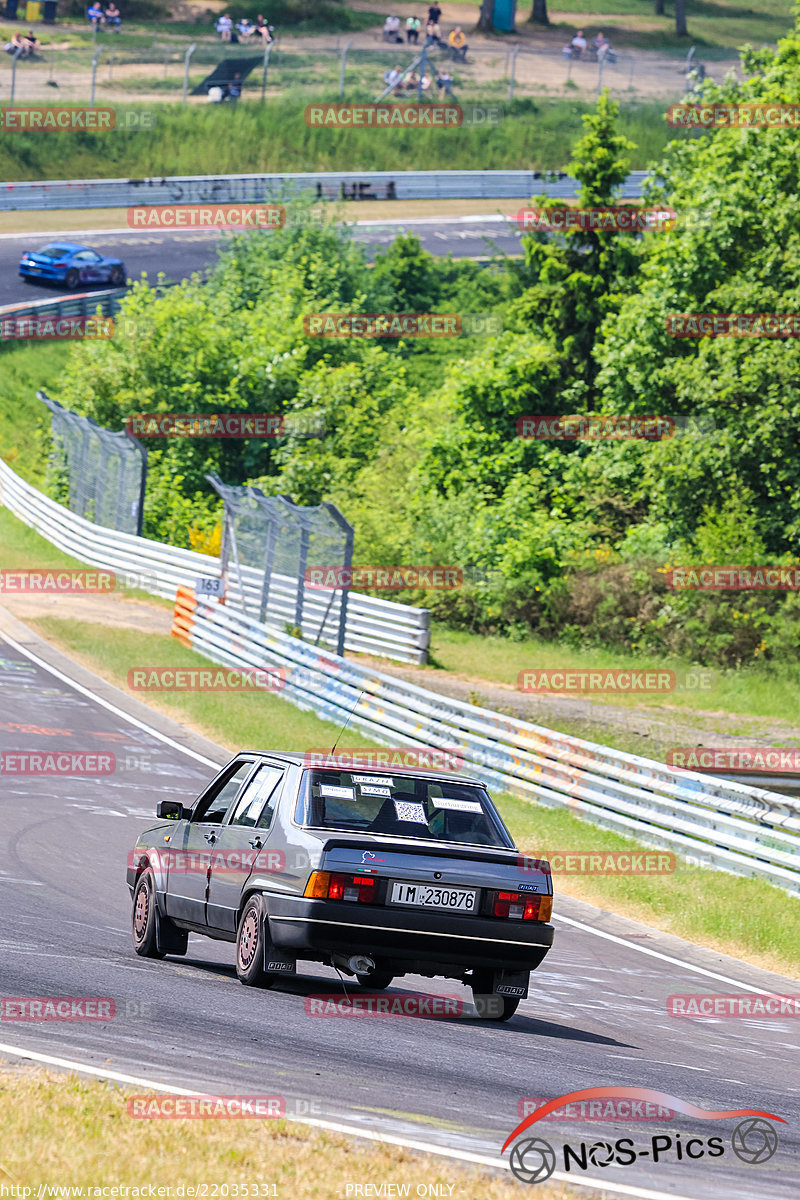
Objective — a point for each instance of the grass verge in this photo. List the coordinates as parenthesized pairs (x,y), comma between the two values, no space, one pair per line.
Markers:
(769,692)
(69,1131)
(247,139)
(24,420)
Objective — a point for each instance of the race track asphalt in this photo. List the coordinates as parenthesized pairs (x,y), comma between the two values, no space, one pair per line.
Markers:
(596,1014)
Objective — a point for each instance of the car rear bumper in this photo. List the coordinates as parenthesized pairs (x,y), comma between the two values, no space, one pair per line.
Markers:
(44,273)
(413,935)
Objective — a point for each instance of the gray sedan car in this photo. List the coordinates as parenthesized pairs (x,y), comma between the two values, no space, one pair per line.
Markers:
(377,873)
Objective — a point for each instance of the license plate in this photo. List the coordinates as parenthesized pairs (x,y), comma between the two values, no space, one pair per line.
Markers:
(427,895)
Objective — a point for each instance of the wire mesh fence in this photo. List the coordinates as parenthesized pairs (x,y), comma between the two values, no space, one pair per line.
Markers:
(287,564)
(95,473)
(126,69)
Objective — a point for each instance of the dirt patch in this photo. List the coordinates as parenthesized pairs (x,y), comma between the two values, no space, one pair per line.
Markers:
(113,611)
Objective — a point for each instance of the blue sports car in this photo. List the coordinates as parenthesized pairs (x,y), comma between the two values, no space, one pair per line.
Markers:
(72,265)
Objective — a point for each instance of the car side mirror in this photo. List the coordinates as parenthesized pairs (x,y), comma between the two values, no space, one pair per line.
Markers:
(170,810)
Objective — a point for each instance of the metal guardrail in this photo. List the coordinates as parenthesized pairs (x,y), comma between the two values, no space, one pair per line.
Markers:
(374,626)
(234,189)
(727,826)
(81,304)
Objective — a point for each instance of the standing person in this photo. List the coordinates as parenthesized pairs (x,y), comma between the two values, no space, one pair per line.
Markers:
(413,26)
(434,13)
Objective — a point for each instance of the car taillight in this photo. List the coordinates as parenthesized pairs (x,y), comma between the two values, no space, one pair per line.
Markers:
(522,906)
(327,885)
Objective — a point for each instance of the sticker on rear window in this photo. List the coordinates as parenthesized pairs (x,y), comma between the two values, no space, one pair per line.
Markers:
(382,780)
(336,793)
(410,812)
(456,805)
(366,789)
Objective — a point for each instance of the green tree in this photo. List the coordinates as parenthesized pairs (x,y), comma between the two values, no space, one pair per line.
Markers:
(576,280)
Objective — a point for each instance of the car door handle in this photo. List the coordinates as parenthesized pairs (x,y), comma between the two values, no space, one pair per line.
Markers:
(210,837)
(256,843)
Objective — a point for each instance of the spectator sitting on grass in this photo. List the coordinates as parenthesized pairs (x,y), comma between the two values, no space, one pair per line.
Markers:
(413,26)
(444,81)
(393,79)
(391,29)
(433,34)
(224,27)
(95,14)
(578,44)
(235,88)
(17,43)
(263,30)
(246,30)
(458,45)
(413,82)
(30,45)
(112,17)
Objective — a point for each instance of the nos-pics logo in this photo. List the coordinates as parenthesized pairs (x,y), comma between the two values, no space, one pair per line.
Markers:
(533,1159)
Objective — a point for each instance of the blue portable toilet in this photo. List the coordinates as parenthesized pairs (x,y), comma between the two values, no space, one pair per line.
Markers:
(505,12)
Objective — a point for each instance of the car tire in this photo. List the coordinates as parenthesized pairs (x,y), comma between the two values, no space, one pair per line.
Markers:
(71,279)
(378,981)
(499,1008)
(144,918)
(117,277)
(250,945)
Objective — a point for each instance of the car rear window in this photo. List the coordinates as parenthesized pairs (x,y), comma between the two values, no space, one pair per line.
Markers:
(401,806)
(54,251)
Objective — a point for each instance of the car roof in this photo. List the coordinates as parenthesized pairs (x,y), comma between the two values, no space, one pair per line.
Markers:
(301,760)
(71,246)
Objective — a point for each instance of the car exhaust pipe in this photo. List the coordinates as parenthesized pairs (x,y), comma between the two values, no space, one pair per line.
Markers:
(360,964)
(357,964)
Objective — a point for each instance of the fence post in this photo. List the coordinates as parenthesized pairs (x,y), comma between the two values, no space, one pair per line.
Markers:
(514,54)
(187,56)
(630,77)
(347,46)
(267,50)
(97,54)
(14,75)
(600,62)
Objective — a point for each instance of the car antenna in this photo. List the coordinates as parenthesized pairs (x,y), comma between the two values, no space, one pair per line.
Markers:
(347,722)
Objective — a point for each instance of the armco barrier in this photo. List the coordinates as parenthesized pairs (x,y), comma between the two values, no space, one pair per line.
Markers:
(81,304)
(724,825)
(374,626)
(236,189)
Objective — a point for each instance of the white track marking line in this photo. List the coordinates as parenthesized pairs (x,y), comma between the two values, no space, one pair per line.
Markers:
(201,758)
(162,737)
(611,937)
(352,1130)
(388,221)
